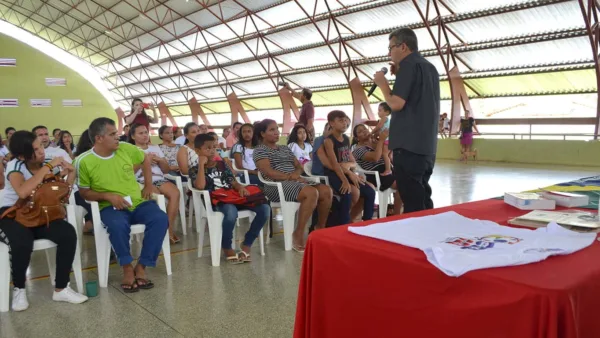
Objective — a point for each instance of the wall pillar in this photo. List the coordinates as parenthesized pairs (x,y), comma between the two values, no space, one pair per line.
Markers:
(289,106)
(236,108)
(459,99)
(197,111)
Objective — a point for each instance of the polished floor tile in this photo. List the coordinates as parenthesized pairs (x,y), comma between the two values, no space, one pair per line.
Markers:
(249,300)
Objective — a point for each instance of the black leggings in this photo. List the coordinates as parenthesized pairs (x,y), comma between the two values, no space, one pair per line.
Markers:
(20,241)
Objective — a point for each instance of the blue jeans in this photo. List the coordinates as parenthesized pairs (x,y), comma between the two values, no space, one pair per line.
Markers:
(253,180)
(366,192)
(230,212)
(118,224)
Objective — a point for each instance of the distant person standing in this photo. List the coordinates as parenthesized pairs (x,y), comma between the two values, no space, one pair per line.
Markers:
(415,103)
(467,125)
(139,116)
(307,112)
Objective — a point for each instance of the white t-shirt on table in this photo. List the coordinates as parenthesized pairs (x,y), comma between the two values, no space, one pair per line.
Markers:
(303,155)
(157,174)
(456,244)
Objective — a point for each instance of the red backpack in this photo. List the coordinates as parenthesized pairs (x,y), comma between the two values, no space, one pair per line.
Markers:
(231,196)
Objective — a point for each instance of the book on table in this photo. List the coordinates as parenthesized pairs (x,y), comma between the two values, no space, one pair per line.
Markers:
(576,220)
(566,199)
(529,201)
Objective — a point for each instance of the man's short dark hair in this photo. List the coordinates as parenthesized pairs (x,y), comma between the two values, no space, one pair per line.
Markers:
(307,93)
(98,127)
(407,36)
(334,114)
(8,130)
(55,130)
(35,129)
(201,139)
(21,144)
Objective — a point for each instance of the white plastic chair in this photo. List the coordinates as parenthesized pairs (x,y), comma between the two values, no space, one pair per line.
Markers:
(38,245)
(383,196)
(215,225)
(80,213)
(103,245)
(244,171)
(179,184)
(308,171)
(288,209)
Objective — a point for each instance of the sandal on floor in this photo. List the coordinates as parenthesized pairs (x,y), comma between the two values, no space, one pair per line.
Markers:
(147,284)
(234,259)
(244,256)
(298,248)
(130,288)
(174,240)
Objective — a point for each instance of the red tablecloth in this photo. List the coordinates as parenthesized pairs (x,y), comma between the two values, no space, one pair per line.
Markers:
(355,286)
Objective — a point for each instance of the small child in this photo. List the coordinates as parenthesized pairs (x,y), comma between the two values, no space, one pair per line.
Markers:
(444,125)
(384,111)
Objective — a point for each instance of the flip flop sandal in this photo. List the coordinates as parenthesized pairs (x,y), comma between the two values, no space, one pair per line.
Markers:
(130,288)
(234,260)
(147,284)
(174,240)
(298,248)
(244,256)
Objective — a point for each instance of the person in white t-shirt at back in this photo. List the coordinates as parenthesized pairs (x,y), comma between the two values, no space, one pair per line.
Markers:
(297,142)
(178,135)
(51,152)
(138,134)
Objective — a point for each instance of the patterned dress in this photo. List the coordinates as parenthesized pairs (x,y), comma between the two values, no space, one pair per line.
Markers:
(282,160)
(170,153)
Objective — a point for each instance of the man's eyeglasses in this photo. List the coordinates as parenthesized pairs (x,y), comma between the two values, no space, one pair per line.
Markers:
(393,46)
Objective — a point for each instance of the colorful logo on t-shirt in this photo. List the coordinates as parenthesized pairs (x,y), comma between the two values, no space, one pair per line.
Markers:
(481,243)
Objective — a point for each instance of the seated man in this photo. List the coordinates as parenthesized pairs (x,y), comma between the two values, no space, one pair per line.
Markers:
(105,174)
(52,151)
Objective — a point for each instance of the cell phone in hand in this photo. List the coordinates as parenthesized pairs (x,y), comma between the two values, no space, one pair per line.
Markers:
(145,105)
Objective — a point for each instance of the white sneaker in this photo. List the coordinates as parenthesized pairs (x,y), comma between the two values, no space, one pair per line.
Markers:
(19,301)
(69,295)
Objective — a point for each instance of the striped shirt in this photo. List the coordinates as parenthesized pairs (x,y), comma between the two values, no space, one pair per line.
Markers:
(280,158)
(359,153)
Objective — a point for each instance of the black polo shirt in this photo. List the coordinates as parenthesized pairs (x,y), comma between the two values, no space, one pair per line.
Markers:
(415,127)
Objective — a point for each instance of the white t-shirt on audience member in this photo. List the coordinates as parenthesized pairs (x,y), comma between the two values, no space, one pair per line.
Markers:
(303,155)
(180,140)
(52,152)
(247,159)
(157,173)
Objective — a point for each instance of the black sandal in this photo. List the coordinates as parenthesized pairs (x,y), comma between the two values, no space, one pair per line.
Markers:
(130,288)
(147,284)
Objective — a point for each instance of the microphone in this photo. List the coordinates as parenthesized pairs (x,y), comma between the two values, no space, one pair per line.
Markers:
(384,70)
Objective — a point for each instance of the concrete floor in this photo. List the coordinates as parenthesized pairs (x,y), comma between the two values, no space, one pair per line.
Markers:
(249,300)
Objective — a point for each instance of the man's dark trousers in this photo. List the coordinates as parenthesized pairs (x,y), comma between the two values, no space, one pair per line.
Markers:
(413,172)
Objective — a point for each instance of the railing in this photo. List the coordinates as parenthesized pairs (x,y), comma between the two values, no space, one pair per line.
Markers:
(534,136)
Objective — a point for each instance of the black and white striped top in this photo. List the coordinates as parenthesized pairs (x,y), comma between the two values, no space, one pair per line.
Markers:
(359,153)
(280,158)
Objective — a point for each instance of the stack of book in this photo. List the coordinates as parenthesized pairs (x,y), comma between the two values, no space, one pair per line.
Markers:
(529,201)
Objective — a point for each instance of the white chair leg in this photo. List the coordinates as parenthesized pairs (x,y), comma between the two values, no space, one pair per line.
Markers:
(215,235)
(4,278)
(200,226)
(262,242)
(51,259)
(166,249)
(289,220)
(77,271)
(382,204)
(182,214)
(103,256)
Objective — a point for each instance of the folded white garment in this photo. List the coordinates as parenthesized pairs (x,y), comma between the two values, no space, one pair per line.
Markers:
(456,244)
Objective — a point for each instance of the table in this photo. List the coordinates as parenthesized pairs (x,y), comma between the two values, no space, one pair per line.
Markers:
(355,286)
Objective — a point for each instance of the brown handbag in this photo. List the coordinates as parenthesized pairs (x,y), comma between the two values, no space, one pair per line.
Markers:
(44,205)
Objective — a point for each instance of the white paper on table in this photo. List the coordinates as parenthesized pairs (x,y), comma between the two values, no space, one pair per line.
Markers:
(456,244)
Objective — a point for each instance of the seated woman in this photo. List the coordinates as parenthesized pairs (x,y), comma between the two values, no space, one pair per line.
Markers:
(369,156)
(65,142)
(243,150)
(139,136)
(186,156)
(210,175)
(169,148)
(296,142)
(25,172)
(278,164)
(84,144)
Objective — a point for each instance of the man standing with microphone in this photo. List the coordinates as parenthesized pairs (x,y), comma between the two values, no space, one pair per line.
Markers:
(415,103)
